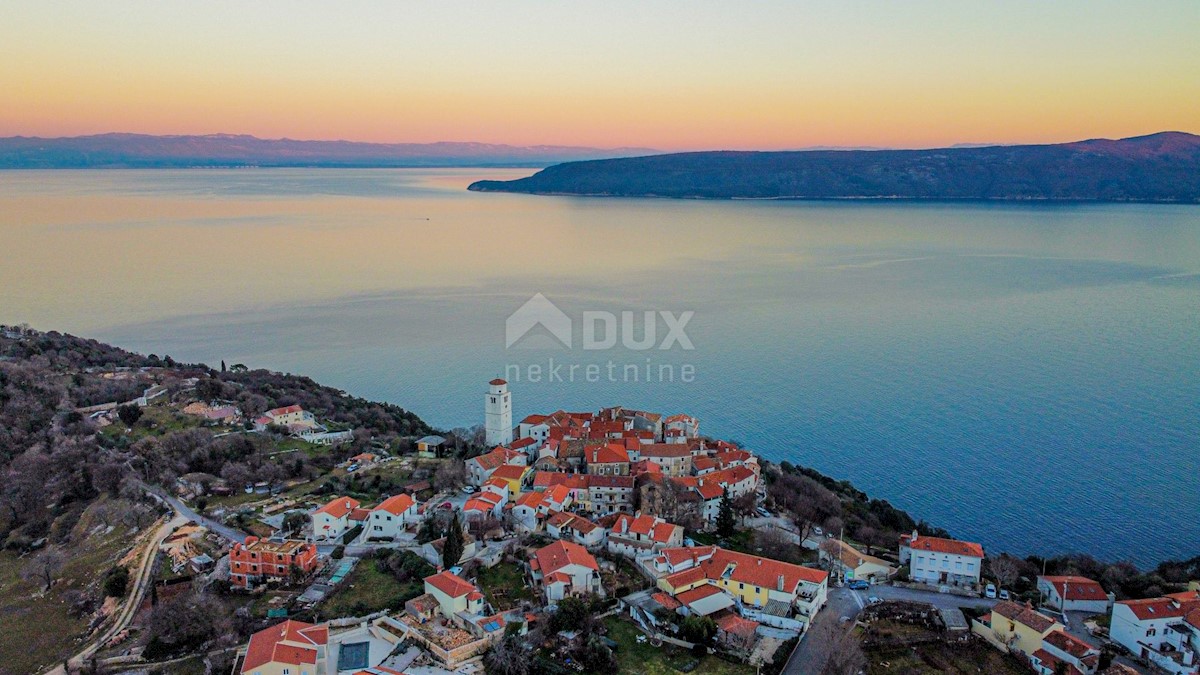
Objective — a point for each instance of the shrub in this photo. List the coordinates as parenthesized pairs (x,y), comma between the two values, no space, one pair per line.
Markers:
(116,582)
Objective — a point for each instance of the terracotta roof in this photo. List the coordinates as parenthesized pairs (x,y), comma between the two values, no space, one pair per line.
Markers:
(1069,644)
(665,450)
(685,578)
(523,443)
(735,625)
(534,419)
(481,504)
(662,532)
(557,494)
(675,556)
(759,571)
(703,464)
(510,472)
(338,507)
(491,460)
(666,600)
(599,481)
(1051,662)
(574,481)
(1156,608)
(284,410)
(558,555)
(939,545)
(496,482)
(451,584)
(288,643)
(497,382)
(698,593)
(360,514)
(530,499)
(680,418)
(1077,588)
(608,453)
(1023,614)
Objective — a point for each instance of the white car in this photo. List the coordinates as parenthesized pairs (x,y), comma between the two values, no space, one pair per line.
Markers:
(990,591)
(468,490)
(1004,594)
(818,531)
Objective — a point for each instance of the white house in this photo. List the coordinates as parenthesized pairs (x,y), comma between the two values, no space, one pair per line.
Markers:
(565,568)
(1074,594)
(1063,652)
(938,561)
(485,504)
(570,527)
(333,519)
(391,517)
(497,408)
(1164,631)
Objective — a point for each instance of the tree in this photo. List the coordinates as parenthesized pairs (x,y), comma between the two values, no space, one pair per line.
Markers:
(507,657)
(746,504)
(431,529)
(725,518)
(116,582)
(129,414)
(698,629)
(1005,568)
(45,567)
(774,543)
(454,545)
(847,656)
(570,613)
(293,522)
(452,474)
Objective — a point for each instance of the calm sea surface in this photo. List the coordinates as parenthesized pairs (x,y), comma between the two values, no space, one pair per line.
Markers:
(1025,375)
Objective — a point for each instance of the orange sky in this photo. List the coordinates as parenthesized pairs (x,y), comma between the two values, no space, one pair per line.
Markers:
(668,75)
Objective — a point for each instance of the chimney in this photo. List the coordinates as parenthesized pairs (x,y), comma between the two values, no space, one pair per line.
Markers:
(779,586)
(914,535)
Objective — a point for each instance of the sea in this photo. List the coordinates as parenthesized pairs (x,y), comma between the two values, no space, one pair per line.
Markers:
(1025,375)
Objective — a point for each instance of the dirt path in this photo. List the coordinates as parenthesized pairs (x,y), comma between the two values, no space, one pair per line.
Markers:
(142,581)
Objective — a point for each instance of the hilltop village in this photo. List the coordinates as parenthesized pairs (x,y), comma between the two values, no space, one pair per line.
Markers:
(331,535)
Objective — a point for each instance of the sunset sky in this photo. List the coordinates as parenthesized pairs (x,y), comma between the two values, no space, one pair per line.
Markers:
(668,75)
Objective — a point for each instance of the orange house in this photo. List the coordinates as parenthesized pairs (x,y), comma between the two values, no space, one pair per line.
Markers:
(257,561)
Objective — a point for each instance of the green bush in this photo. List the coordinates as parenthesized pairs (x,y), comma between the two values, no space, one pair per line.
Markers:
(116,582)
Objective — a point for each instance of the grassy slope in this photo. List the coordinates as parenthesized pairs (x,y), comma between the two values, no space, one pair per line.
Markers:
(38,631)
(646,659)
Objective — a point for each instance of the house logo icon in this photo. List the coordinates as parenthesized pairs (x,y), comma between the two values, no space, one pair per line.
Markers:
(538,311)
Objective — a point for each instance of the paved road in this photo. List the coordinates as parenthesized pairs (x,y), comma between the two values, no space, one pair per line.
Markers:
(822,638)
(230,533)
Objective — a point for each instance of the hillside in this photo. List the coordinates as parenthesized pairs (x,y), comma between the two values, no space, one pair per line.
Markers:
(225,150)
(1163,167)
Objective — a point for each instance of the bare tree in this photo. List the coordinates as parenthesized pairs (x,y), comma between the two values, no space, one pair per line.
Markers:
(847,657)
(771,542)
(450,475)
(44,567)
(1005,568)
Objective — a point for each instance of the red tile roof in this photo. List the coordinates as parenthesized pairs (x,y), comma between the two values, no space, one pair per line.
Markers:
(698,593)
(523,443)
(1158,608)
(510,472)
(665,450)
(1077,588)
(735,625)
(759,571)
(560,554)
(685,578)
(289,643)
(675,556)
(666,601)
(338,507)
(497,382)
(574,481)
(451,584)
(1051,662)
(1069,644)
(1024,614)
(608,453)
(939,545)
(284,410)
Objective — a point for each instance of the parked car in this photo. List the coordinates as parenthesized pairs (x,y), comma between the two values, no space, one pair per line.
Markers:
(874,600)
(818,531)
(764,513)
(1004,594)
(990,591)
(352,468)
(467,489)
(859,584)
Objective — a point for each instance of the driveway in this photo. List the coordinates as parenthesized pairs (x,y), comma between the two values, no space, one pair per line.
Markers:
(822,638)
(232,534)
(826,631)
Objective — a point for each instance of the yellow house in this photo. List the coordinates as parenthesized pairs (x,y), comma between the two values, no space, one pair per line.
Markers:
(454,594)
(514,475)
(1015,627)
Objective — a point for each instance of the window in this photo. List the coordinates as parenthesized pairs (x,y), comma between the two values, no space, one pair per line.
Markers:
(1150,632)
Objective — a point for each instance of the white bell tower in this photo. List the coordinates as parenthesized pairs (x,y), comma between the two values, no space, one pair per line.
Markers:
(497,408)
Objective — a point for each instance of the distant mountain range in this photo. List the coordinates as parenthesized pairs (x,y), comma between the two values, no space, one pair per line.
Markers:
(223,150)
(1162,167)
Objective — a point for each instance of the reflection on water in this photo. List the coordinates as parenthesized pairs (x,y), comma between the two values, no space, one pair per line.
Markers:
(1024,375)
